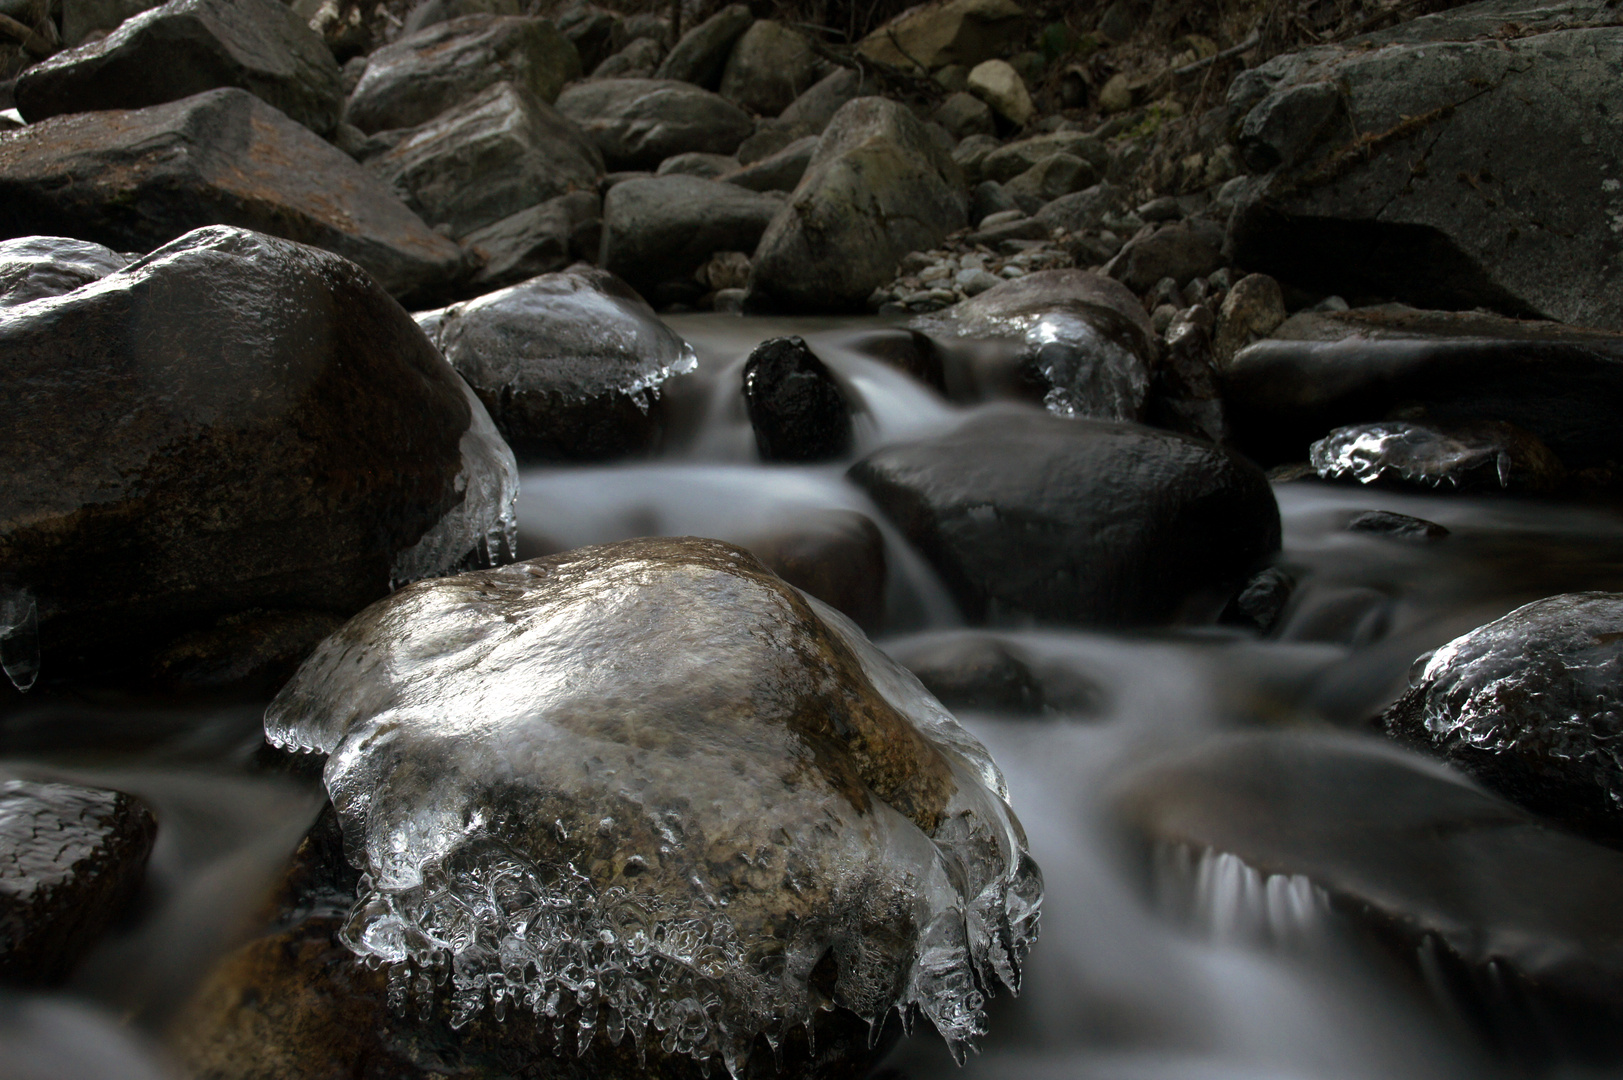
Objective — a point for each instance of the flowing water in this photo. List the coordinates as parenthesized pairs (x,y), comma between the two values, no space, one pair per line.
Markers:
(1218,973)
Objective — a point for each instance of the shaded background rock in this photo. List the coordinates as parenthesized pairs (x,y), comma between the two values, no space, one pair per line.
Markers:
(700,56)
(638,123)
(664,228)
(838,556)
(769,67)
(537,240)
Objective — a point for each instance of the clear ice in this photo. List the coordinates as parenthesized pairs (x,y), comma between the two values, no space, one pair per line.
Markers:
(19,636)
(1413,453)
(648,790)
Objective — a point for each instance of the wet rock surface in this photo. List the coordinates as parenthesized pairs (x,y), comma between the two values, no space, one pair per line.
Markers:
(1397,526)
(569,364)
(34,267)
(1074,521)
(837,556)
(664,228)
(71,858)
(887,818)
(187,47)
(796,407)
(134,180)
(638,123)
(256,481)
(1490,456)
(538,240)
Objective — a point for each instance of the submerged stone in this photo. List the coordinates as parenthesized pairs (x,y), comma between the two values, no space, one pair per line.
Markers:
(650,791)
(1491,456)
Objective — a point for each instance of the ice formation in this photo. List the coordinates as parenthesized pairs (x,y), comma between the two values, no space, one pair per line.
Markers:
(1088,374)
(19,636)
(1482,455)
(647,789)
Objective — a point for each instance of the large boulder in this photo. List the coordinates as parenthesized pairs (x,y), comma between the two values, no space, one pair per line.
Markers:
(638,123)
(138,179)
(537,240)
(420,76)
(232,424)
(502,152)
(780,171)
(1078,343)
(877,187)
(1323,371)
(956,32)
(663,228)
(770,66)
(569,364)
(701,56)
(33,267)
(538,769)
(1011,159)
(186,47)
(1088,522)
(1442,164)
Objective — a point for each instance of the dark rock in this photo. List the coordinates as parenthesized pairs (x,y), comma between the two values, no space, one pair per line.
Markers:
(637,123)
(772,137)
(769,68)
(1513,923)
(1074,521)
(964,115)
(34,267)
(309,449)
(1076,342)
(1051,178)
(71,858)
(638,60)
(877,188)
(663,228)
(1527,704)
(1084,211)
(426,13)
(186,47)
(250,654)
(536,241)
(595,33)
(796,407)
(838,556)
(1181,251)
(1325,371)
(1010,160)
(1183,389)
(1396,526)
(987,199)
(701,56)
(413,80)
(704,166)
(962,32)
(1263,600)
(1491,456)
(905,350)
(1252,309)
(570,364)
(817,106)
(504,151)
(82,17)
(779,171)
(136,180)
(970,155)
(976,671)
(1442,165)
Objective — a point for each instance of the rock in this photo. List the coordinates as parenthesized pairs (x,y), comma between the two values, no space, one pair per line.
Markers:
(538,240)
(664,227)
(254,481)
(701,56)
(81,17)
(34,267)
(1440,165)
(1263,600)
(704,166)
(637,123)
(976,672)
(1051,178)
(1184,393)
(1116,95)
(599,796)
(1075,342)
(770,66)
(988,199)
(426,13)
(1000,86)
(136,180)
(1181,250)
(726,271)
(186,47)
(449,64)
(595,33)
(1511,922)
(1489,456)
(974,280)
(1253,309)
(569,364)
(795,405)
(837,556)
(964,114)
(71,858)
(816,107)
(956,32)
(638,60)
(349,27)
(971,153)
(876,188)
(1395,526)
(780,171)
(1083,211)
(478,163)
(1008,161)
(1324,371)
(1083,522)
(907,351)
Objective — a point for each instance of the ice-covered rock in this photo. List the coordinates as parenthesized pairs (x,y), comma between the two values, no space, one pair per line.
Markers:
(650,791)
(1493,456)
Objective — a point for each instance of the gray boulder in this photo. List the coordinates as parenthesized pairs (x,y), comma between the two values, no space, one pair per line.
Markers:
(1085,210)
(1442,165)
(776,172)
(1181,250)
(1010,160)
(186,47)
(595,33)
(426,13)
(876,188)
(537,240)
(701,56)
(422,75)
(813,109)
(664,228)
(707,166)
(638,60)
(136,180)
(638,123)
(770,66)
(487,159)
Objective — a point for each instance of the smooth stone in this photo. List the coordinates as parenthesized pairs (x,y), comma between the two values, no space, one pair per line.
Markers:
(1181,250)
(963,114)
(1007,161)
(34,267)
(778,171)
(544,238)
(594,32)
(638,123)
(700,56)
(663,228)
(975,671)
(816,107)
(81,17)
(796,407)
(837,556)
(1084,211)
(704,166)
(1184,394)
(962,32)
(1051,178)
(1252,309)
(1395,526)
(1263,600)
(1000,86)
(638,60)
(769,67)
(989,198)
(426,13)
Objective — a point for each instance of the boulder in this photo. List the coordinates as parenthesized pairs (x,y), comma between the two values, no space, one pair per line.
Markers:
(1184,393)
(71,858)
(638,123)
(1004,163)
(795,405)
(308,449)
(81,17)
(1000,86)
(569,364)
(813,110)
(1084,211)
(1083,522)
(964,114)
(663,228)
(1181,250)
(448,64)
(638,60)
(426,13)
(704,166)
(701,56)
(1394,526)
(1051,178)
(956,32)
(1491,456)
(717,710)
(504,151)
(34,267)
(1252,309)
(1327,370)
(780,171)
(595,33)
(1076,342)
(970,155)
(186,47)
(770,66)
(983,672)
(538,240)
(876,188)
(1442,165)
